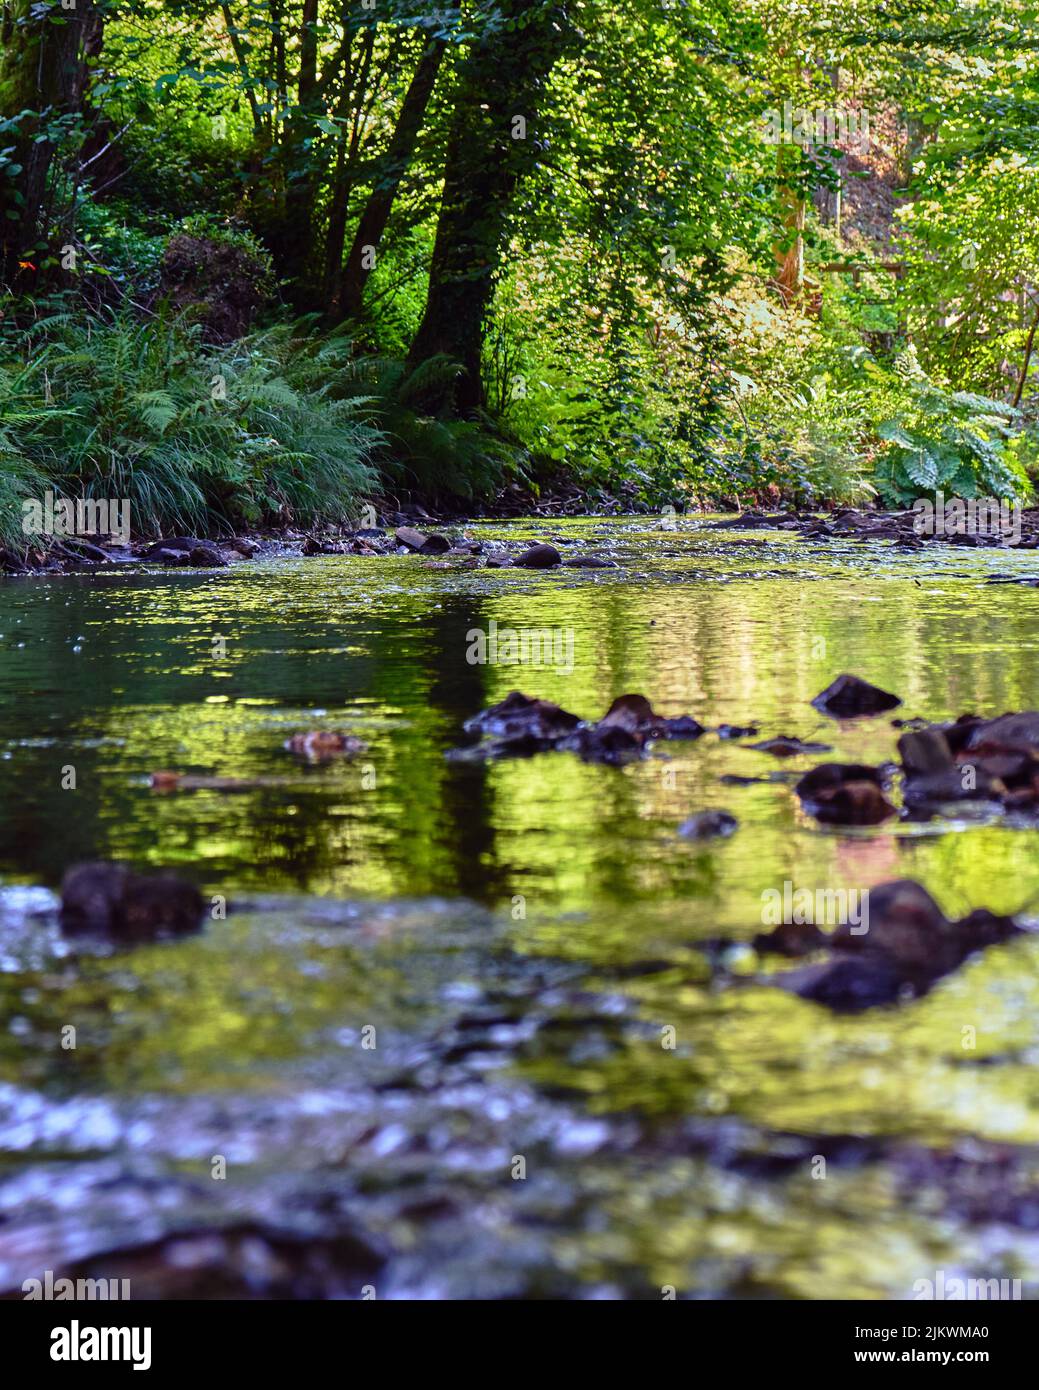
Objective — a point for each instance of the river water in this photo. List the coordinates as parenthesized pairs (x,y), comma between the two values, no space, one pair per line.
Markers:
(429,1051)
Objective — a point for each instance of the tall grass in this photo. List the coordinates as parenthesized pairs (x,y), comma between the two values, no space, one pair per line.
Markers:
(285,426)
(128,408)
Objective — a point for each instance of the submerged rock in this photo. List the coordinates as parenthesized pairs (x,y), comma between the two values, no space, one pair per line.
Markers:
(523,725)
(605,743)
(520,717)
(110,900)
(848,697)
(900,946)
(635,714)
(707,825)
(319,745)
(845,794)
(786,747)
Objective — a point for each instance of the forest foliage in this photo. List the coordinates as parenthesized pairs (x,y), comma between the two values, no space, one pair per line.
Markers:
(265,258)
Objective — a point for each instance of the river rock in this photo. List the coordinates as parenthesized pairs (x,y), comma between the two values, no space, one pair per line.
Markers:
(605,743)
(907,945)
(635,714)
(520,717)
(784,746)
(707,825)
(320,744)
(110,900)
(435,545)
(206,557)
(848,697)
(539,557)
(410,538)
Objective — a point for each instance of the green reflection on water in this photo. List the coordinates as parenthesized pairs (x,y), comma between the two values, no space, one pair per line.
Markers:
(117,677)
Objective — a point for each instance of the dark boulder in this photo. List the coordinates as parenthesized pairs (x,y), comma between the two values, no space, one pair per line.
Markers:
(848,697)
(435,545)
(410,538)
(110,900)
(520,717)
(539,557)
(206,557)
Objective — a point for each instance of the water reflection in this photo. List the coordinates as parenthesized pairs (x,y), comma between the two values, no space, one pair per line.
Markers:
(545,997)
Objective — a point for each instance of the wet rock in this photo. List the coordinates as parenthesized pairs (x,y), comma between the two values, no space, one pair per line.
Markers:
(170,557)
(243,546)
(845,985)
(499,562)
(319,745)
(184,543)
(635,714)
(520,717)
(110,900)
(786,747)
(707,825)
(791,939)
(848,697)
(1015,732)
(737,731)
(853,803)
(605,743)
(313,546)
(539,557)
(206,557)
(924,752)
(907,945)
(167,781)
(590,562)
(435,545)
(845,794)
(411,539)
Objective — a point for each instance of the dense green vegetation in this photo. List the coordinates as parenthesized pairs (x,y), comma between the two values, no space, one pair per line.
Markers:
(263,261)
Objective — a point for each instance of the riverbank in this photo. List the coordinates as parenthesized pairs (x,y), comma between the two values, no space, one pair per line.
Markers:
(450,539)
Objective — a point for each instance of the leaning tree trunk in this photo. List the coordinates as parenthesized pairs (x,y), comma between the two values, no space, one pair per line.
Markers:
(492,145)
(43,72)
(346,286)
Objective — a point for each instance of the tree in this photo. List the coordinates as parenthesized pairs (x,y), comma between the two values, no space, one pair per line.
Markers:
(493,144)
(44,56)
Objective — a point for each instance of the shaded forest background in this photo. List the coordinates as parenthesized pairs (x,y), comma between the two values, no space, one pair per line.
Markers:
(262,262)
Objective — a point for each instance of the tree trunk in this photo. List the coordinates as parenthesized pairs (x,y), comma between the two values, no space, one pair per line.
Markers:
(492,145)
(43,71)
(291,235)
(790,251)
(346,286)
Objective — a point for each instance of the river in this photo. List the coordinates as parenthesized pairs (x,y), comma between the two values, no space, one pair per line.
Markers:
(459,1035)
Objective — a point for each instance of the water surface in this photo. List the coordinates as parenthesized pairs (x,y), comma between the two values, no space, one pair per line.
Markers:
(519,934)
